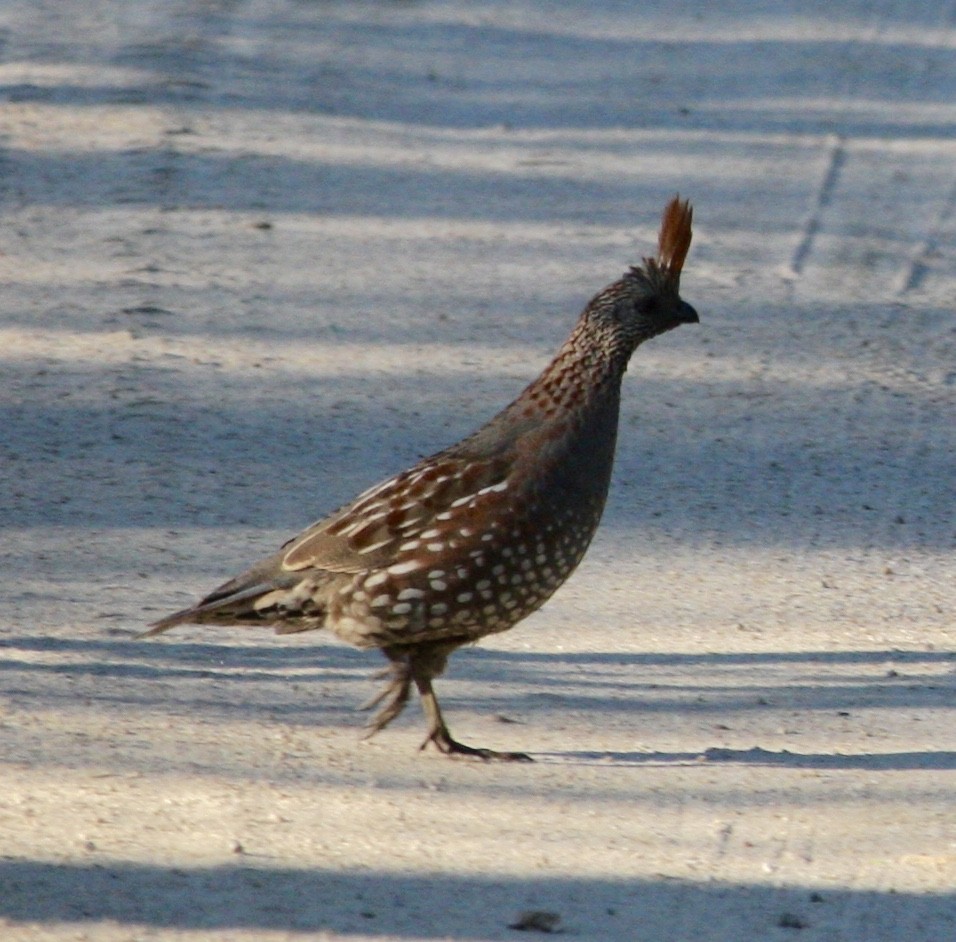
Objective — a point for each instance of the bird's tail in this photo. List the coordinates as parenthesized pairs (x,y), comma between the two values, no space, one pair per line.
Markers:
(252,599)
(235,608)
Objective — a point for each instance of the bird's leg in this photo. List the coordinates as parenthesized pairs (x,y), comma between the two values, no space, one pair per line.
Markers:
(395,694)
(438,733)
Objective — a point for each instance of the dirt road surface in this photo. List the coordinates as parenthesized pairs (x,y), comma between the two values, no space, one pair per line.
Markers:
(256,255)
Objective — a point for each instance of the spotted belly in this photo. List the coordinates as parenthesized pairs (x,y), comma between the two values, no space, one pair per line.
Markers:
(484,591)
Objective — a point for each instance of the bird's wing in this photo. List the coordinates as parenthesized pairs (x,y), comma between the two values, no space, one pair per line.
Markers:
(386,520)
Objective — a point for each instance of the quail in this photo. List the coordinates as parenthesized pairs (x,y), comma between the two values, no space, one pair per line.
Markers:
(475,538)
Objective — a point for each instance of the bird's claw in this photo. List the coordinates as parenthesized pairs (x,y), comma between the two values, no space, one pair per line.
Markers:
(443,742)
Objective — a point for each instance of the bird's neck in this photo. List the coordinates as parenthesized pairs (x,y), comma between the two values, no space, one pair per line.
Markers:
(587,368)
(579,390)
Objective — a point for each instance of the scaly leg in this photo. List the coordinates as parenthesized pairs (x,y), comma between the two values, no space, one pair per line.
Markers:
(423,668)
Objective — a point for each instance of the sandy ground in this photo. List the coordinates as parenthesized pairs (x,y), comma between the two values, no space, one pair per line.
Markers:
(257,255)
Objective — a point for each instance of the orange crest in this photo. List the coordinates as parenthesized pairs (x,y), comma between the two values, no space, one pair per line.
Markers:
(675,236)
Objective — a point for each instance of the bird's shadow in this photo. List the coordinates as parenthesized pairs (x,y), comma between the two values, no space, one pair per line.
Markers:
(756,756)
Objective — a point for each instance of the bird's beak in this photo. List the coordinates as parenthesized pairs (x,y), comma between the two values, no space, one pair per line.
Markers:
(686,314)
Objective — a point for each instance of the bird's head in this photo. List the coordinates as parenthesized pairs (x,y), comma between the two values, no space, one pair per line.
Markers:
(646,301)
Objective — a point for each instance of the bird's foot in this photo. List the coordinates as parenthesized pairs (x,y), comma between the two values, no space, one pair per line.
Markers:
(395,695)
(443,742)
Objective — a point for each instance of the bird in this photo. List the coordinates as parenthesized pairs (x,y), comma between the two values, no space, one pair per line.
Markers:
(473,539)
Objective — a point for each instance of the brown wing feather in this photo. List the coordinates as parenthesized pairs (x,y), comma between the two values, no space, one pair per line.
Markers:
(370,532)
(675,236)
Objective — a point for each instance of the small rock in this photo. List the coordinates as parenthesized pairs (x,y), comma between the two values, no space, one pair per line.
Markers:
(791,921)
(536,920)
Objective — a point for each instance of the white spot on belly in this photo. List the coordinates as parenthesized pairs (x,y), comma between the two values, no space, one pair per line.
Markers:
(406,594)
(377,578)
(402,608)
